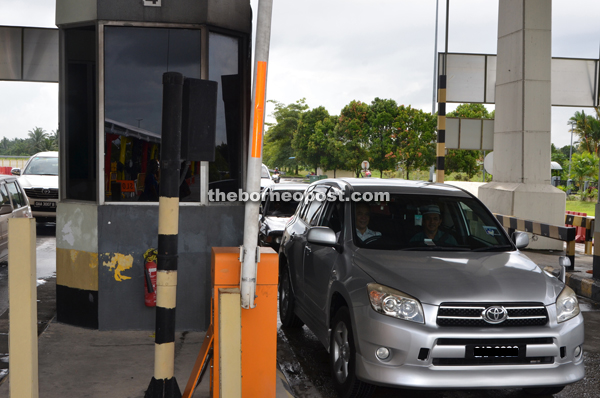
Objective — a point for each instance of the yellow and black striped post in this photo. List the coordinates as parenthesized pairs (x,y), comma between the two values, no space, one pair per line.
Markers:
(558,232)
(583,222)
(164,384)
(441,126)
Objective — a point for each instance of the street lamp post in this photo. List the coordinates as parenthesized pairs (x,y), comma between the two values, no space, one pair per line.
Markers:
(571,148)
(569,181)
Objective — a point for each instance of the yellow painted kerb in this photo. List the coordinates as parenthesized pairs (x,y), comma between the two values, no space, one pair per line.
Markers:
(586,288)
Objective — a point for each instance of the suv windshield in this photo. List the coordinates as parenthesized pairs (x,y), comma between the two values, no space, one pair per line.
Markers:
(282,204)
(264,172)
(42,166)
(418,222)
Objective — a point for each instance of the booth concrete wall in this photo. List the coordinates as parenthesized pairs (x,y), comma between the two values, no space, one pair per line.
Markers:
(105,276)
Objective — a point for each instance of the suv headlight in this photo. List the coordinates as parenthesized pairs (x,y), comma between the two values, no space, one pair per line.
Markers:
(390,302)
(567,306)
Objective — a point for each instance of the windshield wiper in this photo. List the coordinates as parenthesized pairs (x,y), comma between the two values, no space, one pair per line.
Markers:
(435,248)
(499,248)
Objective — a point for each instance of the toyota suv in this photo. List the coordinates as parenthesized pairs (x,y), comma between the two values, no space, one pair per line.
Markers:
(416,285)
(39,179)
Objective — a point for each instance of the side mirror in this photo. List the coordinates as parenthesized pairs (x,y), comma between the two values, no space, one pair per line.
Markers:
(521,239)
(6,209)
(16,171)
(564,263)
(321,236)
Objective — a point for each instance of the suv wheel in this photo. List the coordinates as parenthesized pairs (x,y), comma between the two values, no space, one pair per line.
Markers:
(342,357)
(286,302)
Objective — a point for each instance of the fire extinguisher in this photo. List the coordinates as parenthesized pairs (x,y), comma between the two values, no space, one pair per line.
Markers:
(150,277)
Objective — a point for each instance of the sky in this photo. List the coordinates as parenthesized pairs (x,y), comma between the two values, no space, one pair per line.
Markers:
(335,51)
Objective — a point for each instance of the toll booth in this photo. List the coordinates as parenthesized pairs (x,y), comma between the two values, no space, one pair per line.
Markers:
(112,56)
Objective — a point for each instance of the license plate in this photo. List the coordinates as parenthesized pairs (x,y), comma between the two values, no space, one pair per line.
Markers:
(495,351)
(51,205)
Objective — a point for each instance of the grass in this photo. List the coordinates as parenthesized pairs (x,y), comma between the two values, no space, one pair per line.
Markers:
(582,207)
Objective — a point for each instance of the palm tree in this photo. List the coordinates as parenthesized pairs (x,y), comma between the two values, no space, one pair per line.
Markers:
(37,136)
(588,129)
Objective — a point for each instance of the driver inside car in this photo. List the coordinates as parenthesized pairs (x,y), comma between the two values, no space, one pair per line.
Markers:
(431,235)
(363,215)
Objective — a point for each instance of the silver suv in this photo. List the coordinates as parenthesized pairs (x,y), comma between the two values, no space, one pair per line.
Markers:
(412,284)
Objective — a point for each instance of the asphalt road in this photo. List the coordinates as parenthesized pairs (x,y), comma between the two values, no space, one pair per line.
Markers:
(302,358)
(304,362)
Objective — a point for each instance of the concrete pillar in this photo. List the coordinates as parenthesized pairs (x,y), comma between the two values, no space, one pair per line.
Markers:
(521,181)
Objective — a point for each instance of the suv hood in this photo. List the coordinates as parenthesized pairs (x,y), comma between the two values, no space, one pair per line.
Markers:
(437,277)
(38,181)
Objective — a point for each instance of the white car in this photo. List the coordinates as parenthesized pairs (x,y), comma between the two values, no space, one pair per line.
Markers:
(39,179)
(265,177)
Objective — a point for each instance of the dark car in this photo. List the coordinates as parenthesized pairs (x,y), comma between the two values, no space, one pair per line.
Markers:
(416,285)
(279,204)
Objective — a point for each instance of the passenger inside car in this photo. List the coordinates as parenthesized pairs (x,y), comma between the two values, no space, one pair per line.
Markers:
(431,235)
(363,215)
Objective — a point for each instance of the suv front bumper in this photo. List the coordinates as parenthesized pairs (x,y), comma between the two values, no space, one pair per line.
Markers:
(430,356)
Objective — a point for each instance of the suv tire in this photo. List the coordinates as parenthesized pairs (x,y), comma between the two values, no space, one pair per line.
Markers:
(342,358)
(287,302)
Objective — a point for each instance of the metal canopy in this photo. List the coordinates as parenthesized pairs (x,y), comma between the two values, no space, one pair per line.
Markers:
(472,78)
(28,54)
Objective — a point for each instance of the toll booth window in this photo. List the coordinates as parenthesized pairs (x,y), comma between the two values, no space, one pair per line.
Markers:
(80,113)
(135,60)
(224,68)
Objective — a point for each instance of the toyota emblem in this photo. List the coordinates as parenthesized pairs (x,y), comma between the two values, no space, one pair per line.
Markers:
(494,315)
(46,191)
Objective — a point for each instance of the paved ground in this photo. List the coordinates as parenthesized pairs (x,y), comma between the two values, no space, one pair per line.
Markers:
(77,362)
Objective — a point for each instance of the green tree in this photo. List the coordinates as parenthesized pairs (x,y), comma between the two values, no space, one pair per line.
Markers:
(310,141)
(471,111)
(37,136)
(558,156)
(353,134)
(4,145)
(382,119)
(414,141)
(585,166)
(587,127)
(463,160)
(332,160)
(278,149)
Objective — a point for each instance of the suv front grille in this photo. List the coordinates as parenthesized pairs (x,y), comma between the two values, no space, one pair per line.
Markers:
(41,193)
(471,315)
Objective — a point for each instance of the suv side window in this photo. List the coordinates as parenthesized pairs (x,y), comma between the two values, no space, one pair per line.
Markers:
(16,194)
(4,195)
(305,203)
(314,210)
(334,216)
